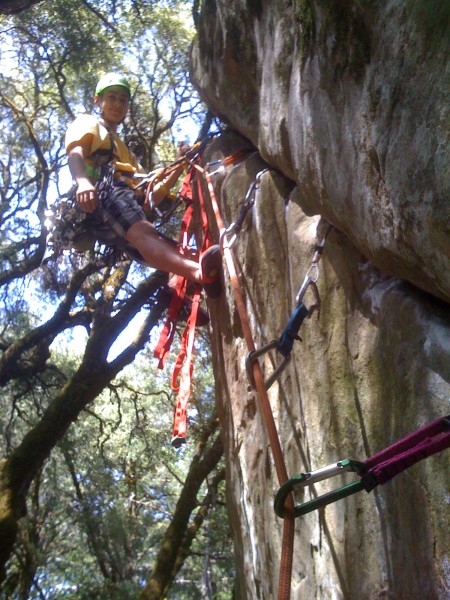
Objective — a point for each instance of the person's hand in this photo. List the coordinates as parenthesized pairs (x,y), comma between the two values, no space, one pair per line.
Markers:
(87,196)
(183,147)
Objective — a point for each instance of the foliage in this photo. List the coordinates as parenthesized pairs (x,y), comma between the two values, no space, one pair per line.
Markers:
(89,485)
(100,506)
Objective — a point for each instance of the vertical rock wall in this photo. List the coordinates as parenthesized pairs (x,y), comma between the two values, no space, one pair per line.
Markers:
(371,367)
(347,102)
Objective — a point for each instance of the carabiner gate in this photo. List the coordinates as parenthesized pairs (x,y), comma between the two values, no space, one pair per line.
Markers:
(252,356)
(306,479)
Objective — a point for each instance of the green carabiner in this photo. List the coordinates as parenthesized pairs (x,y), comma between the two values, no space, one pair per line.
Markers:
(306,479)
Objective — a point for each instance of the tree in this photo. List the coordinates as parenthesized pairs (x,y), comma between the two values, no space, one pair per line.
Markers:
(12,7)
(48,80)
(113,490)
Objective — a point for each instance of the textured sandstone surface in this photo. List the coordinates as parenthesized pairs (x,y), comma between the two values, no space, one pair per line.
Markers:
(372,366)
(349,100)
(347,103)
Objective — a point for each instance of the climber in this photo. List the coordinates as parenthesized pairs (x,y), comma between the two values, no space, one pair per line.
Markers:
(117,217)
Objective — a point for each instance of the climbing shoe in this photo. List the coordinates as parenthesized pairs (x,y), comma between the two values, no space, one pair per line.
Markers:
(164,296)
(211,266)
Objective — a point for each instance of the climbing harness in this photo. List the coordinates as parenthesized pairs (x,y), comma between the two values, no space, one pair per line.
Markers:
(376,470)
(68,224)
(105,184)
(285,343)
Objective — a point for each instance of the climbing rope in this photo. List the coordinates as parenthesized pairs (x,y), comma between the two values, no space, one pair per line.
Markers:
(284,588)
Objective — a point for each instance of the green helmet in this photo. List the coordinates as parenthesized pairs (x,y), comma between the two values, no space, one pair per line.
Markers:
(111,79)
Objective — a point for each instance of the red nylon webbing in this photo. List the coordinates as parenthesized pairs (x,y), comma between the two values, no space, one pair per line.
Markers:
(207,237)
(182,374)
(186,187)
(401,455)
(184,367)
(166,336)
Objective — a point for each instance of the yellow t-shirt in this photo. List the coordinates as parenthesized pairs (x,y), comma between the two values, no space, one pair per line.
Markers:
(99,154)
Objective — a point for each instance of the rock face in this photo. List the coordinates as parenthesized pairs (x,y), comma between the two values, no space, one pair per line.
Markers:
(372,366)
(345,106)
(350,101)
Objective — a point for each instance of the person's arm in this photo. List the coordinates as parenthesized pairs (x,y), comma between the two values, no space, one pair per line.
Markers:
(162,187)
(87,197)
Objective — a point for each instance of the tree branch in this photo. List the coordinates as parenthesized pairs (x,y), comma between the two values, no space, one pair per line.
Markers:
(203,463)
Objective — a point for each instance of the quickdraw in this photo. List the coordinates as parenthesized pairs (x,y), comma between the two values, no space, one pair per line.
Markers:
(376,470)
(235,228)
(285,343)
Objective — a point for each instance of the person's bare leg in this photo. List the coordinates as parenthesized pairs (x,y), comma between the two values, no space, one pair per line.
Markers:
(159,254)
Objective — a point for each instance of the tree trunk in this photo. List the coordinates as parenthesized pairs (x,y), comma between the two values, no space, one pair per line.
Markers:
(166,565)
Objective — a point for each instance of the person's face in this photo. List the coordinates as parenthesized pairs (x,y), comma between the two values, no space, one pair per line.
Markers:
(113,103)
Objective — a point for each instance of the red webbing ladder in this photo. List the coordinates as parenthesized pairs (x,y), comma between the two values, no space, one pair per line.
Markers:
(183,370)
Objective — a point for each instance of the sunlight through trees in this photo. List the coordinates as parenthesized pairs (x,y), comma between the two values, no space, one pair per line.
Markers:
(94,502)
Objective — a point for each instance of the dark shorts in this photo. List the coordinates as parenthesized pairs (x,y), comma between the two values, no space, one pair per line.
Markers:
(114,216)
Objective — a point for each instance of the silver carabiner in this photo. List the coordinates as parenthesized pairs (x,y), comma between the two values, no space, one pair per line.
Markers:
(308,280)
(252,356)
(230,230)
